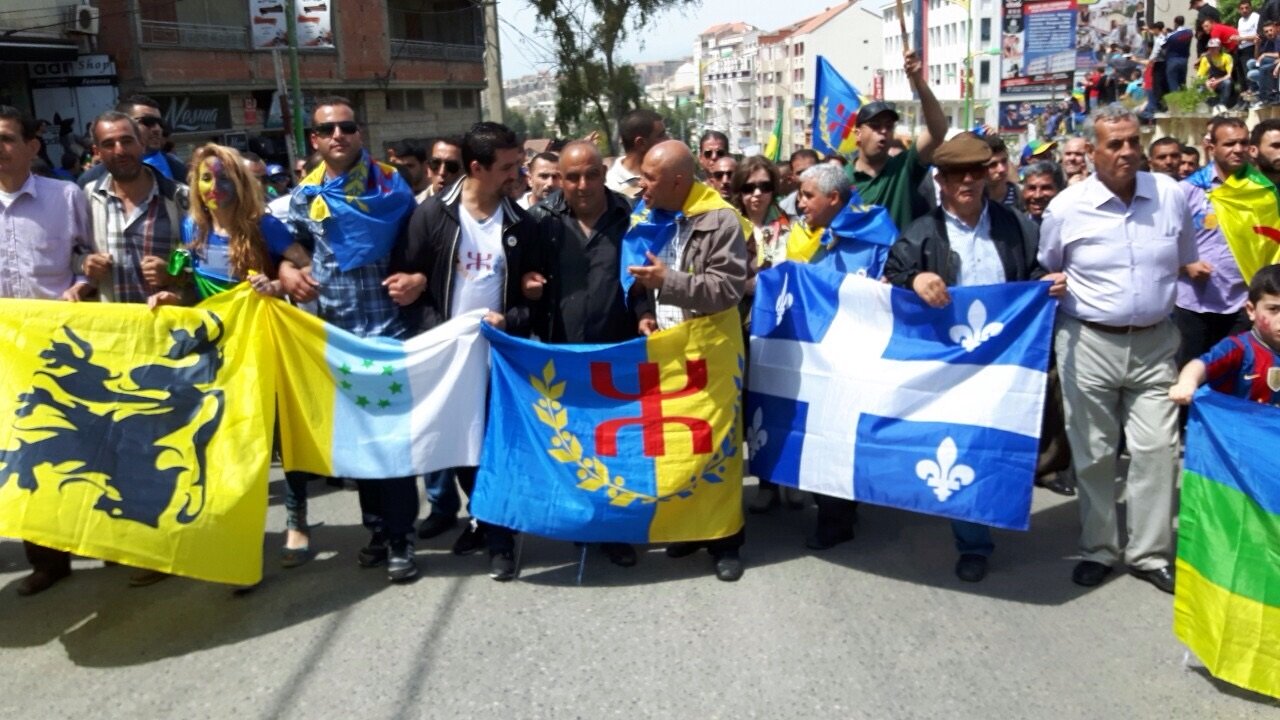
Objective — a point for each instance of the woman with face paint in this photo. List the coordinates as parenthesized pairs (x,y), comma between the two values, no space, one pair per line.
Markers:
(228,235)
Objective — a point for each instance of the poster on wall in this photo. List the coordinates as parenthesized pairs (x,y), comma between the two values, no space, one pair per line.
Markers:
(1050,117)
(1105,28)
(69,95)
(314,17)
(1038,45)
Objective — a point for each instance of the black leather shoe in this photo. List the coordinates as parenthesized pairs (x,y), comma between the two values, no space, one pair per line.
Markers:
(1089,573)
(1055,484)
(682,549)
(826,537)
(620,554)
(729,567)
(374,554)
(1162,578)
(502,567)
(472,540)
(971,568)
(436,524)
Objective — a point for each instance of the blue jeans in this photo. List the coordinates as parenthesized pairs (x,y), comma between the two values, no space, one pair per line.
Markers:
(442,493)
(1176,73)
(972,538)
(1261,80)
(1224,92)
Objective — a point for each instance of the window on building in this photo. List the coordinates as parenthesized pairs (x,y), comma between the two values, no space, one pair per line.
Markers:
(454,22)
(984,30)
(197,12)
(403,100)
(984,72)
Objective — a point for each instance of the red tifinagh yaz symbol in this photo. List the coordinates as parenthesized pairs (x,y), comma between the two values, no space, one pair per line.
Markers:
(479,261)
(651,420)
(1269,233)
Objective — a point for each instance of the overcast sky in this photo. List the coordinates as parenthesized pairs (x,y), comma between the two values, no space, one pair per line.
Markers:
(672,36)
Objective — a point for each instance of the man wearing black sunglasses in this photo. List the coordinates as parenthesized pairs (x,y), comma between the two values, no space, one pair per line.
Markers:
(711,147)
(721,177)
(445,164)
(146,113)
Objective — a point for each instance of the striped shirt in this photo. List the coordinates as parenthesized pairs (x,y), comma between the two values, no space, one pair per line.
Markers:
(668,316)
(1246,367)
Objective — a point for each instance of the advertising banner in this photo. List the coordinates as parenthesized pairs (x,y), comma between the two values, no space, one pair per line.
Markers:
(314,17)
(1038,45)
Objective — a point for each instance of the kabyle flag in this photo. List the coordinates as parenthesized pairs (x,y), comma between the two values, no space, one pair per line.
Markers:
(862,391)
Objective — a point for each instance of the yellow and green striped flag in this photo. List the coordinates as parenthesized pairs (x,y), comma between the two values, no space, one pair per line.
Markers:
(1227,604)
(1247,211)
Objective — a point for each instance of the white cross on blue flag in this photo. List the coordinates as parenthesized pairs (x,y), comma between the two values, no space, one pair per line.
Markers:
(859,390)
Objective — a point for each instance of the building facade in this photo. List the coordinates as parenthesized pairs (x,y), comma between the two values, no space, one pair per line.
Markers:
(725,55)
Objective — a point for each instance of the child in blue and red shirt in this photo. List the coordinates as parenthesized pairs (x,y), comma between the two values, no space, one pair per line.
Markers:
(1245,365)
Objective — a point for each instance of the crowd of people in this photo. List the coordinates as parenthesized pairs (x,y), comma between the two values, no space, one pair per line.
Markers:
(1119,231)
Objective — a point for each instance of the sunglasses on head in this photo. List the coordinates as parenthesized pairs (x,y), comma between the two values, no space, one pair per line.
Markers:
(325,129)
(722,174)
(751,188)
(149,121)
(450,166)
(714,154)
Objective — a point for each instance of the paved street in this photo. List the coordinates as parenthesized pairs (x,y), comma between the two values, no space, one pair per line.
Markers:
(878,628)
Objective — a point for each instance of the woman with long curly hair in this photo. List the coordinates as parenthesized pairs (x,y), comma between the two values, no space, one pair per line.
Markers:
(228,235)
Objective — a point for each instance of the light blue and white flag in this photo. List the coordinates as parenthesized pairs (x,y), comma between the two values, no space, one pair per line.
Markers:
(859,390)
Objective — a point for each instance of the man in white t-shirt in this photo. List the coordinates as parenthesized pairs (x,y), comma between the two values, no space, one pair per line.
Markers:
(1247,27)
(468,248)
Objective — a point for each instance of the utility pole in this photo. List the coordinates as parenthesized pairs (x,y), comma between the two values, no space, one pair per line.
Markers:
(295,75)
(494,102)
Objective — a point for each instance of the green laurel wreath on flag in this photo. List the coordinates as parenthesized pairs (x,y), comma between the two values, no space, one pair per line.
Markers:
(822,123)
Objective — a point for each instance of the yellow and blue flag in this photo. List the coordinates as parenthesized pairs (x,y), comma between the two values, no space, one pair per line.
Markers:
(836,103)
(652,229)
(377,408)
(138,436)
(635,442)
(857,240)
(361,211)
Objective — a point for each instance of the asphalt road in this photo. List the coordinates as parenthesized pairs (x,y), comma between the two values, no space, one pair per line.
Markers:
(876,628)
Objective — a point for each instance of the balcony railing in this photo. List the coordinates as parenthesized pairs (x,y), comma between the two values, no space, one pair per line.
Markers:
(423,50)
(187,35)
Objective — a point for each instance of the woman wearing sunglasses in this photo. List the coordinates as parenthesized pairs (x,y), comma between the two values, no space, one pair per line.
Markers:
(755,194)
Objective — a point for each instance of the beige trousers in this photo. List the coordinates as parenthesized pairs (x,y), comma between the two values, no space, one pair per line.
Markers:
(1110,382)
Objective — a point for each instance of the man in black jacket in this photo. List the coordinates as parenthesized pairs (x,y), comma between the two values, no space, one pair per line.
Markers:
(467,249)
(580,298)
(969,240)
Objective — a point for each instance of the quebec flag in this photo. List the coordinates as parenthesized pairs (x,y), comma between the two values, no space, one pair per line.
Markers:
(860,390)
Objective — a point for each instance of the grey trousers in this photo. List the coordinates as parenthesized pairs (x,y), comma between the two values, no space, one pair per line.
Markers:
(1110,382)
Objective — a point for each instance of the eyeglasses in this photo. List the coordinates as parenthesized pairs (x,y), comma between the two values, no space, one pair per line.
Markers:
(450,166)
(325,129)
(971,172)
(722,175)
(149,121)
(751,188)
(714,153)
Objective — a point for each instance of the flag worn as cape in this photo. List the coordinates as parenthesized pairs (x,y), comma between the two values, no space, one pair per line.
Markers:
(652,229)
(139,436)
(857,241)
(634,442)
(1249,215)
(1226,606)
(362,210)
(836,102)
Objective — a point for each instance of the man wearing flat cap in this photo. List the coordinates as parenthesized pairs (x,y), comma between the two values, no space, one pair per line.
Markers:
(968,240)
(893,183)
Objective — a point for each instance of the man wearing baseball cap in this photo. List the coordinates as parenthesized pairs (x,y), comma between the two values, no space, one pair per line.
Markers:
(892,181)
(1216,68)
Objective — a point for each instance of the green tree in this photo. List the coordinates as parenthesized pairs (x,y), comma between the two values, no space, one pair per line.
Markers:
(538,125)
(515,120)
(586,36)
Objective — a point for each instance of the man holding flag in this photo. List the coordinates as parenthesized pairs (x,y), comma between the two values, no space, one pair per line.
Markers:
(686,257)
(838,230)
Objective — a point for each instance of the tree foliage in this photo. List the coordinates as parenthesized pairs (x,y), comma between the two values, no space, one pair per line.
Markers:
(596,88)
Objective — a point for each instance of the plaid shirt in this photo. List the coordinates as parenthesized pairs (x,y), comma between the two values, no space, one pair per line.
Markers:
(144,232)
(667,315)
(355,299)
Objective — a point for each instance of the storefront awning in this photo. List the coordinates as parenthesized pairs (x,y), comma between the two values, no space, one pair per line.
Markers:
(20,49)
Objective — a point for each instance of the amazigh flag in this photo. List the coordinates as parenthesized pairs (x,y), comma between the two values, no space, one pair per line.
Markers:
(1226,607)
(377,408)
(635,442)
(836,104)
(139,436)
(361,212)
(773,146)
(1246,206)
(857,241)
(653,228)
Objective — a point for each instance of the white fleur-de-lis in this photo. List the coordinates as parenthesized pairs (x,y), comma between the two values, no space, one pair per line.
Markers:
(785,299)
(978,330)
(944,475)
(757,436)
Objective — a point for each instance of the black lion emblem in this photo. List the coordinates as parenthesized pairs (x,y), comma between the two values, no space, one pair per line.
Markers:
(93,425)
